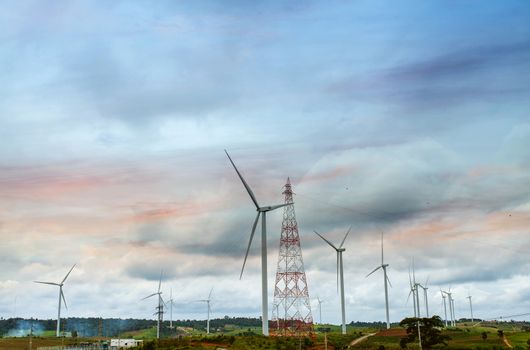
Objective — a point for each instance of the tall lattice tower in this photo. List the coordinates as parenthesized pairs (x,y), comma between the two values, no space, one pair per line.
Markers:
(291,314)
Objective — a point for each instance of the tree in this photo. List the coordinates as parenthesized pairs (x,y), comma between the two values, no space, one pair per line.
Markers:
(484,336)
(430,329)
(500,333)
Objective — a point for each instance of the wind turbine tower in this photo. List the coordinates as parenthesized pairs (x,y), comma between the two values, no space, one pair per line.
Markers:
(61,296)
(470,308)
(207,301)
(386,281)
(291,315)
(319,310)
(445,306)
(453,309)
(340,272)
(262,211)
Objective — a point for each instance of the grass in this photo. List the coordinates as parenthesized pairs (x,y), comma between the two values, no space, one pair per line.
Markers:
(463,338)
(519,339)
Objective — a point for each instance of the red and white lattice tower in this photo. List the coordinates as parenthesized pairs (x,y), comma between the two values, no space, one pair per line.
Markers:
(291,313)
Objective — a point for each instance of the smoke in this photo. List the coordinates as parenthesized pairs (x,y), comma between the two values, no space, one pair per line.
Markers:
(24,327)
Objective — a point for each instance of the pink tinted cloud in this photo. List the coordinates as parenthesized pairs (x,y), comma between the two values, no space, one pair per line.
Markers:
(155,211)
(52,182)
(331,174)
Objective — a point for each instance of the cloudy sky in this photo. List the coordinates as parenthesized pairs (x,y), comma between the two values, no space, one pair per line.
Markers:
(410,119)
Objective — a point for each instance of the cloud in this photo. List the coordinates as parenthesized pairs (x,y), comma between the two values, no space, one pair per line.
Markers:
(477,74)
(116,115)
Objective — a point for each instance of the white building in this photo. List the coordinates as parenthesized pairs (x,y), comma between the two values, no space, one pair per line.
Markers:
(116,344)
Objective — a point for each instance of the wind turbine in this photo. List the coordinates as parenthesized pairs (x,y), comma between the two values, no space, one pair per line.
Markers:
(445,306)
(340,272)
(471,308)
(170,301)
(207,301)
(61,296)
(320,309)
(160,307)
(262,211)
(416,290)
(386,280)
(425,298)
(451,307)
(413,293)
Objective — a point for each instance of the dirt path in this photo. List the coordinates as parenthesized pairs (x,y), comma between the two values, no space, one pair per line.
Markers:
(361,339)
(506,342)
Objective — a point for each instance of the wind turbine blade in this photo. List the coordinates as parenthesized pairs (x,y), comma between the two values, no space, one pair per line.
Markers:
(149,296)
(65,277)
(344,239)
(210,295)
(328,242)
(64,300)
(409,296)
(427,282)
(273,207)
(249,190)
(388,280)
(160,282)
(377,268)
(50,283)
(249,243)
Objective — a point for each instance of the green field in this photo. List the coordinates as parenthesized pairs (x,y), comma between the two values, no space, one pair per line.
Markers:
(241,338)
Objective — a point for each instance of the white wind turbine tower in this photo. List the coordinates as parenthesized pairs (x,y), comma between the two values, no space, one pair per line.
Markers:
(319,309)
(159,308)
(262,211)
(207,301)
(471,308)
(386,281)
(453,308)
(445,306)
(61,296)
(340,271)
